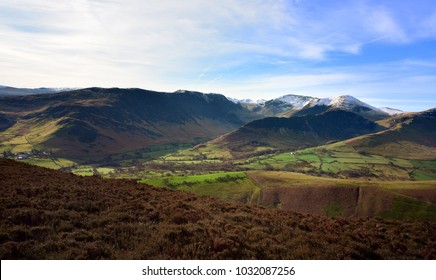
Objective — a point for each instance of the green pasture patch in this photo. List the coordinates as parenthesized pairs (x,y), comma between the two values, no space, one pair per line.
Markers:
(213,151)
(105,170)
(226,185)
(51,163)
(337,154)
(334,167)
(43,162)
(309,157)
(196,179)
(326,159)
(356,158)
(390,172)
(420,175)
(406,208)
(83,170)
(284,157)
(253,165)
(427,164)
(404,163)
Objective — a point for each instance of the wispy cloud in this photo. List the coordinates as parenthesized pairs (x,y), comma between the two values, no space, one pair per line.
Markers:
(230,45)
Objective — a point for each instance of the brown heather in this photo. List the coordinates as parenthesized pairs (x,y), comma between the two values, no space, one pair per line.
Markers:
(48,214)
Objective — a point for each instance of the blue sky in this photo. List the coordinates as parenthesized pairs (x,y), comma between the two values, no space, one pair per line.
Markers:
(382,52)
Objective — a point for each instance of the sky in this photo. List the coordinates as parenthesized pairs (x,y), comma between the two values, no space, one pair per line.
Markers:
(380,51)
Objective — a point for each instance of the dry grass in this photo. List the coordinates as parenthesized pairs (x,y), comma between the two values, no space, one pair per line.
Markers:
(47,214)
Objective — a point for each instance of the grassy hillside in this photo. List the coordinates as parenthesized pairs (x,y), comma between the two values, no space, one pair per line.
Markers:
(411,136)
(341,197)
(272,134)
(314,195)
(336,160)
(96,121)
(47,214)
(340,161)
(406,150)
(224,185)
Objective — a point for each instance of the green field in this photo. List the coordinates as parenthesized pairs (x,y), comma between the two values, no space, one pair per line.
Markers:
(173,160)
(52,163)
(340,164)
(403,188)
(228,185)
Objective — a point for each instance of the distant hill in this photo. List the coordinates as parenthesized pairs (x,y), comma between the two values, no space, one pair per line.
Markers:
(294,133)
(98,121)
(411,136)
(47,214)
(11,91)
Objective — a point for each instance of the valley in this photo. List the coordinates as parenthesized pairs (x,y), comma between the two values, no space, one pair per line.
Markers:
(217,131)
(331,157)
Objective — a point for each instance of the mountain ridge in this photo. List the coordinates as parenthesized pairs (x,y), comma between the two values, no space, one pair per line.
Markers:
(273,133)
(97,121)
(411,135)
(13,91)
(298,105)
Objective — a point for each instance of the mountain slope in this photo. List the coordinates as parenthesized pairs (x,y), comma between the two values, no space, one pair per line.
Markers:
(98,121)
(283,106)
(294,133)
(47,214)
(411,136)
(344,102)
(297,105)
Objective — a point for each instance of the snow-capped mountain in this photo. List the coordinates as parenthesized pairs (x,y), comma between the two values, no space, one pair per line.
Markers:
(297,105)
(247,101)
(343,102)
(346,102)
(297,101)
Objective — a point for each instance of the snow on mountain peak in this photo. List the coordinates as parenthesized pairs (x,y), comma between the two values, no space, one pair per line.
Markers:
(343,101)
(247,101)
(296,101)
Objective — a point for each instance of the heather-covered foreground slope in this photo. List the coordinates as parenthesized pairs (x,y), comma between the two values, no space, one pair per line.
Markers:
(48,214)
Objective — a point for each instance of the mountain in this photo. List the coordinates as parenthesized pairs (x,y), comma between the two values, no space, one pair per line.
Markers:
(344,102)
(276,107)
(410,136)
(270,134)
(246,101)
(11,91)
(297,105)
(97,121)
(284,106)
(48,214)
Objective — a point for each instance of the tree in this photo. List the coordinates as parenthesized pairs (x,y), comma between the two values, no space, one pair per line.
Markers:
(8,154)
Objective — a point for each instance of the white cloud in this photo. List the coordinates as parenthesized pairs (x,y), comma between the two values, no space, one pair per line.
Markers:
(235,46)
(382,23)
